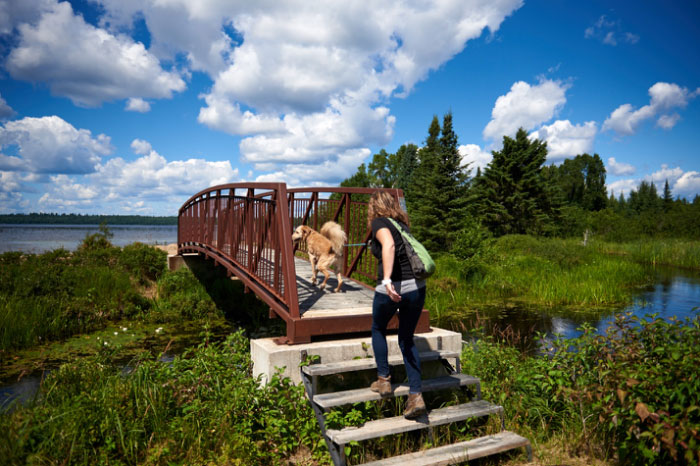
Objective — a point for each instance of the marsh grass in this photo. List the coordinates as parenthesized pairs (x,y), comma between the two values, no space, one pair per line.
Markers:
(675,252)
(531,271)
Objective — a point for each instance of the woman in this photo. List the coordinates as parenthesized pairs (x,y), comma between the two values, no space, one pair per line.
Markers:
(397,290)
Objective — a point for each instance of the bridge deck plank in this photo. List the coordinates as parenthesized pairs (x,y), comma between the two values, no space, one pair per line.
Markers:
(354,298)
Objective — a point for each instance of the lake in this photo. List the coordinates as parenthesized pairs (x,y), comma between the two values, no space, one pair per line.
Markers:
(41,238)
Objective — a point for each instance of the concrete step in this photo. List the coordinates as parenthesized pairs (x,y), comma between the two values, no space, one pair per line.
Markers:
(330,400)
(458,452)
(397,425)
(368,363)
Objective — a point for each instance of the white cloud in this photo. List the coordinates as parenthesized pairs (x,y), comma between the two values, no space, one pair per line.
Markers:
(688,185)
(625,120)
(659,177)
(668,121)
(619,168)
(149,184)
(622,187)
(307,81)
(141,147)
(51,145)
(85,63)
(565,139)
(474,155)
(16,12)
(5,110)
(525,106)
(329,172)
(137,104)
(609,32)
(682,183)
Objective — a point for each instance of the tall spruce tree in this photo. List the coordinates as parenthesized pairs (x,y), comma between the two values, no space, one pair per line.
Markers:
(408,162)
(438,197)
(425,214)
(513,196)
(668,197)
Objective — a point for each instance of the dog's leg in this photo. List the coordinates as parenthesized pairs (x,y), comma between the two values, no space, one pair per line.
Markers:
(323,267)
(340,281)
(313,260)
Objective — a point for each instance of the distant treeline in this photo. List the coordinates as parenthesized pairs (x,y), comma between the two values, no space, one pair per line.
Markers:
(81,219)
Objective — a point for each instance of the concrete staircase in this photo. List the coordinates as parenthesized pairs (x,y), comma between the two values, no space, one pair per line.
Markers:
(444,455)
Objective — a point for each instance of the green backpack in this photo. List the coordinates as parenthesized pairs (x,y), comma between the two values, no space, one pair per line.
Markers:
(422,264)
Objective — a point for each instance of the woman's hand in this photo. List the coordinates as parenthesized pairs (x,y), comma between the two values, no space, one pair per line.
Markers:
(392,293)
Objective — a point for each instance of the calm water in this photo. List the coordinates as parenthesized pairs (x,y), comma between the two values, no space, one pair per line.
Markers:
(676,293)
(41,238)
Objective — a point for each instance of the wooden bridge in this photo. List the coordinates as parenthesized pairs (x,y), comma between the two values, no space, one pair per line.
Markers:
(247,228)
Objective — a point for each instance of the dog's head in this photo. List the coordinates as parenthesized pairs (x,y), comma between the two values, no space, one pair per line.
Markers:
(301,233)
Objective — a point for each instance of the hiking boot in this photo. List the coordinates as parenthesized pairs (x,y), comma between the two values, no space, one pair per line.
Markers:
(382,385)
(415,406)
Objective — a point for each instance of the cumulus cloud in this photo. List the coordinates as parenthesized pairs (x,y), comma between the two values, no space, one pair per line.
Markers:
(475,156)
(148,184)
(688,185)
(565,139)
(5,110)
(85,63)
(622,187)
(50,145)
(619,168)
(625,120)
(682,183)
(141,147)
(137,104)
(525,106)
(609,32)
(13,13)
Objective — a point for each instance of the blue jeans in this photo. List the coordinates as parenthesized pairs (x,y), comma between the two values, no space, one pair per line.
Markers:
(383,309)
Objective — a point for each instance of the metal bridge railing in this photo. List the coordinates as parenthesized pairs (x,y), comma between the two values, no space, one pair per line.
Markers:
(247,228)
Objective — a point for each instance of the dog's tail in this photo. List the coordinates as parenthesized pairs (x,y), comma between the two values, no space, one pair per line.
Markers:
(336,235)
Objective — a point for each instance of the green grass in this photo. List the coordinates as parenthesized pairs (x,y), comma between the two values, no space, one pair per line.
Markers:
(675,252)
(532,271)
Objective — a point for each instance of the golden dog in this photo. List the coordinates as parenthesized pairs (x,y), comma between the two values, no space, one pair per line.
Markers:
(324,248)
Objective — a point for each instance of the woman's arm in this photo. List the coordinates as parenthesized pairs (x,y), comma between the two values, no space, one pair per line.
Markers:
(384,237)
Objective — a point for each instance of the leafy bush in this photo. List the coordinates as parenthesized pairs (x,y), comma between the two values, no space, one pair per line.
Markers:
(180,294)
(203,408)
(143,262)
(631,393)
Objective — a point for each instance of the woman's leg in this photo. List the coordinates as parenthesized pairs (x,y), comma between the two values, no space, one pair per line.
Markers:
(383,309)
(410,309)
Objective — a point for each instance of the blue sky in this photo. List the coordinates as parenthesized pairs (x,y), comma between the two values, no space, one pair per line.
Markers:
(131,106)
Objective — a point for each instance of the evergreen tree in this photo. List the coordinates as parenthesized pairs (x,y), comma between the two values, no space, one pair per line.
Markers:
(645,199)
(668,198)
(408,161)
(513,195)
(580,181)
(425,214)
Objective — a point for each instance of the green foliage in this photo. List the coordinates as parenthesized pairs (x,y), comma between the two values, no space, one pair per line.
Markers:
(512,194)
(438,198)
(181,294)
(203,408)
(580,181)
(527,270)
(630,394)
(143,261)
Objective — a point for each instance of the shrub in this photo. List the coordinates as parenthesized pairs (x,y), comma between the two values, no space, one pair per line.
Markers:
(143,262)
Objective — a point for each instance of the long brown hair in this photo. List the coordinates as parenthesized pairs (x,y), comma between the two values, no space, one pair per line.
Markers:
(383,204)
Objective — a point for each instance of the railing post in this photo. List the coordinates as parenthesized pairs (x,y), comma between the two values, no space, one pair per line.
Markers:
(286,252)
(346,253)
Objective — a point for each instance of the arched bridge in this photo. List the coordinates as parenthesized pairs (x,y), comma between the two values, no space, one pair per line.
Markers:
(247,228)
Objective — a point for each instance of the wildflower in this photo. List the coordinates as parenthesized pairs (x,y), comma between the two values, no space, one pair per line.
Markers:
(116,333)
(105,343)
(159,329)
(124,329)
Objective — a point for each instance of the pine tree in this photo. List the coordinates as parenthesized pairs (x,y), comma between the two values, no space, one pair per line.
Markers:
(668,197)
(408,161)
(513,195)
(425,214)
